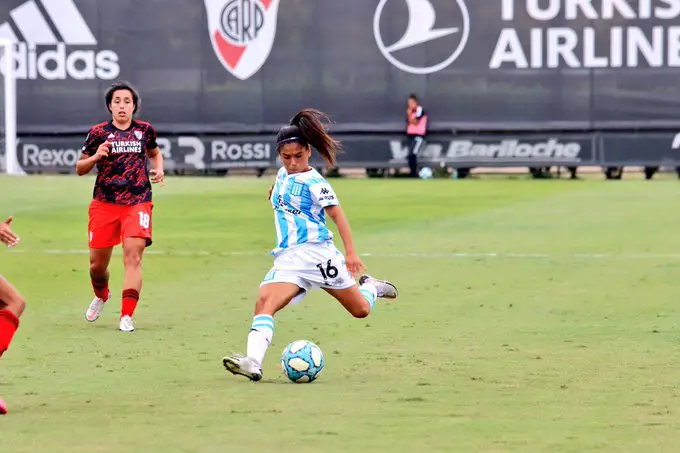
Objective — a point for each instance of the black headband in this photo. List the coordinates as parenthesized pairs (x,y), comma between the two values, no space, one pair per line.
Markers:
(290,139)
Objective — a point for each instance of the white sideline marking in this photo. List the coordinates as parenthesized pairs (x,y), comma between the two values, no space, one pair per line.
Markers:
(451,255)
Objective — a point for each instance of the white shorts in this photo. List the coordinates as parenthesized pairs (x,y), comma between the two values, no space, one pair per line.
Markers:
(311,266)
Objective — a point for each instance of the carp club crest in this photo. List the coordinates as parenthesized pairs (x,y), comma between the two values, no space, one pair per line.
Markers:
(242,33)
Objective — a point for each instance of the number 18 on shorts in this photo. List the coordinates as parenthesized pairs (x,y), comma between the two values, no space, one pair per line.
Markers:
(112,223)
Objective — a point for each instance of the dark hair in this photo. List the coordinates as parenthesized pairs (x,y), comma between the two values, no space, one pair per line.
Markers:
(122,85)
(307,128)
(413,96)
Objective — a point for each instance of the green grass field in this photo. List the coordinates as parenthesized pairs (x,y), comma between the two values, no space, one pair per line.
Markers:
(534,316)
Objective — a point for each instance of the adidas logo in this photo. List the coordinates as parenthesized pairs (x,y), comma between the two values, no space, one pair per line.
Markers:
(45,32)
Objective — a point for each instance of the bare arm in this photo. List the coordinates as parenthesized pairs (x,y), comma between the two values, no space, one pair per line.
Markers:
(414,119)
(354,264)
(7,236)
(157,171)
(86,163)
(338,216)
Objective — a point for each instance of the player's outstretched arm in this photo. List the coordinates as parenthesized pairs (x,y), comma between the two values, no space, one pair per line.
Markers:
(86,163)
(7,236)
(354,264)
(157,172)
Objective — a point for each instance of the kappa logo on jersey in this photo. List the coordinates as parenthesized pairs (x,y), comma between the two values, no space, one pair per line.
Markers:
(242,33)
(67,54)
(406,52)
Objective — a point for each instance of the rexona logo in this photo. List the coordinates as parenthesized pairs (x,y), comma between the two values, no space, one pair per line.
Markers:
(422,47)
(242,33)
(70,53)
(32,155)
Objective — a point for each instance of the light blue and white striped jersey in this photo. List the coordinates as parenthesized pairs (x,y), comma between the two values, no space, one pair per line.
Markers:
(298,202)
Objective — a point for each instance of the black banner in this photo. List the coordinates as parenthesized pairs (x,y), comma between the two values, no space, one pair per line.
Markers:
(191,152)
(246,66)
(649,149)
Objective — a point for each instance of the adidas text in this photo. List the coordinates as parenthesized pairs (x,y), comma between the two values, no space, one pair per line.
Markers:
(56,63)
(56,44)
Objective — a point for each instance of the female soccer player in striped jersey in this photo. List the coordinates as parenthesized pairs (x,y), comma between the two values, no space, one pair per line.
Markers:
(305,256)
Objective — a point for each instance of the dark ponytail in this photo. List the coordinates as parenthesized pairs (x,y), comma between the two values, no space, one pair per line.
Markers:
(307,128)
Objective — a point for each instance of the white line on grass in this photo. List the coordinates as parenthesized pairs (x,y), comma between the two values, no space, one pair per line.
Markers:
(425,255)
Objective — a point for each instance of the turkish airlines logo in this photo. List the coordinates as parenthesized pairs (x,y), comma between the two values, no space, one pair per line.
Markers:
(242,33)
(422,35)
(126,146)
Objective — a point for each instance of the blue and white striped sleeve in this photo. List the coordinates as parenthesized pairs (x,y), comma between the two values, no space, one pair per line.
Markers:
(322,193)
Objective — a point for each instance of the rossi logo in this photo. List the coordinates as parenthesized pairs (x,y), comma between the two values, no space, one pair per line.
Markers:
(227,155)
(242,33)
(200,153)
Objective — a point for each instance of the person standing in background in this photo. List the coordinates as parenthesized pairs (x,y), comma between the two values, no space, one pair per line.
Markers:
(416,130)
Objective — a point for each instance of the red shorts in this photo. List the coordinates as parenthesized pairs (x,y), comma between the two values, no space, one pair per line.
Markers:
(112,223)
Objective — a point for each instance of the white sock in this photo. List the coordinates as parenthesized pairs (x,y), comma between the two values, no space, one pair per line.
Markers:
(260,337)
(370,292)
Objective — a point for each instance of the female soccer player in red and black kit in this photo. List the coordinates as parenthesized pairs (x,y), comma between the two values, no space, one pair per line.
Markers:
(11,303)
(121,208)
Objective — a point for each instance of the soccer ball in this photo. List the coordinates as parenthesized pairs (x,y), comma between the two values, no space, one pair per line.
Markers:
(302,361)
(425,173)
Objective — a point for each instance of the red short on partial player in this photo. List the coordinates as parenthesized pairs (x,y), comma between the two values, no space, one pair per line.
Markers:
(112,223)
